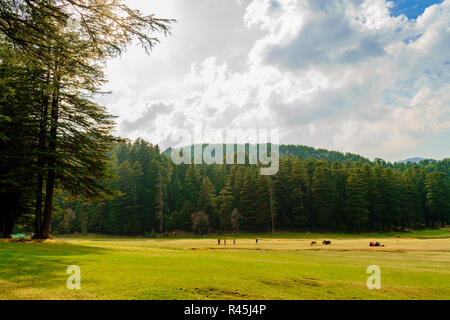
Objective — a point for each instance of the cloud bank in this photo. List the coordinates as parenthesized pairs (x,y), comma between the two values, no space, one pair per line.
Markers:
(347,75)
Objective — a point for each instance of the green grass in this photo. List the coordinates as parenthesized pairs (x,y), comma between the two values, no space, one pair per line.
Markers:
(286,266)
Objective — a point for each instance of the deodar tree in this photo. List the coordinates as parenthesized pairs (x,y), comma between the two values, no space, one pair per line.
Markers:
(67,42)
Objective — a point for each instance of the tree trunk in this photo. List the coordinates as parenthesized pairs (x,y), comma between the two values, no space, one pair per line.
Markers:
(2,226)
(272,214)
(6,226)
(9,226)
(51,177)
(160,204)
(41,163)
(38,210)
(302,208)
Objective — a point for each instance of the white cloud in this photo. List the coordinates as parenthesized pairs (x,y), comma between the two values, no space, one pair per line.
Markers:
(342,75)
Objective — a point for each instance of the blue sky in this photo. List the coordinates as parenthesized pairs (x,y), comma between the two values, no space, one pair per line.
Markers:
(350,75)
(411,9)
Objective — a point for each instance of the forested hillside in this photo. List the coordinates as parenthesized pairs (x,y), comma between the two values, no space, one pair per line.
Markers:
(306,195)
(304,151)
(311,153)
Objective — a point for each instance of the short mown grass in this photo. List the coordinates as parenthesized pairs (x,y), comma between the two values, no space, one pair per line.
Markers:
(282,267)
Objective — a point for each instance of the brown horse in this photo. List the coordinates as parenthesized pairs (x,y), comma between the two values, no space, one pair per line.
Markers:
(313,243)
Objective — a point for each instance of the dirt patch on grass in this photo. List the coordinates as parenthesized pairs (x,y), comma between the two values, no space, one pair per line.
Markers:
(347,245)
(227,249)
(361,249)
(212,292)
(309,282)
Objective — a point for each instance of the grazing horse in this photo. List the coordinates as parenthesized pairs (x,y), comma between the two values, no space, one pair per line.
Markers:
(313,243)
(326,242)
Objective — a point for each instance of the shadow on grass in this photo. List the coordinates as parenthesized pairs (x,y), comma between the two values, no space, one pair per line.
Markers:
(42,265)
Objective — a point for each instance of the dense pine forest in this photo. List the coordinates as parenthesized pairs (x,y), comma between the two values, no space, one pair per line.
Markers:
(308,194)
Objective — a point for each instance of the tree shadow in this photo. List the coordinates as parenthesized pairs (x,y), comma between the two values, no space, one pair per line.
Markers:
(41,265)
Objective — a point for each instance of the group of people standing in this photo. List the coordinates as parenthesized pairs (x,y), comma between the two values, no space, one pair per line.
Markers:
(234,241)
(225,242)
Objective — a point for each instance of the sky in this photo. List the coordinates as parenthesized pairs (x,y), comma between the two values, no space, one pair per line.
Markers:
(362,76)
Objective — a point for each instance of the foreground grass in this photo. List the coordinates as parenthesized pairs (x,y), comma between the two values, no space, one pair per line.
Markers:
(278,268)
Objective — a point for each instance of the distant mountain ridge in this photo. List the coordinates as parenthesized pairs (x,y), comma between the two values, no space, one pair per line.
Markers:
(416,160)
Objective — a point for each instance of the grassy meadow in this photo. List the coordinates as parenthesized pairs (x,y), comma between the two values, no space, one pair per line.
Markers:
(281,266)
